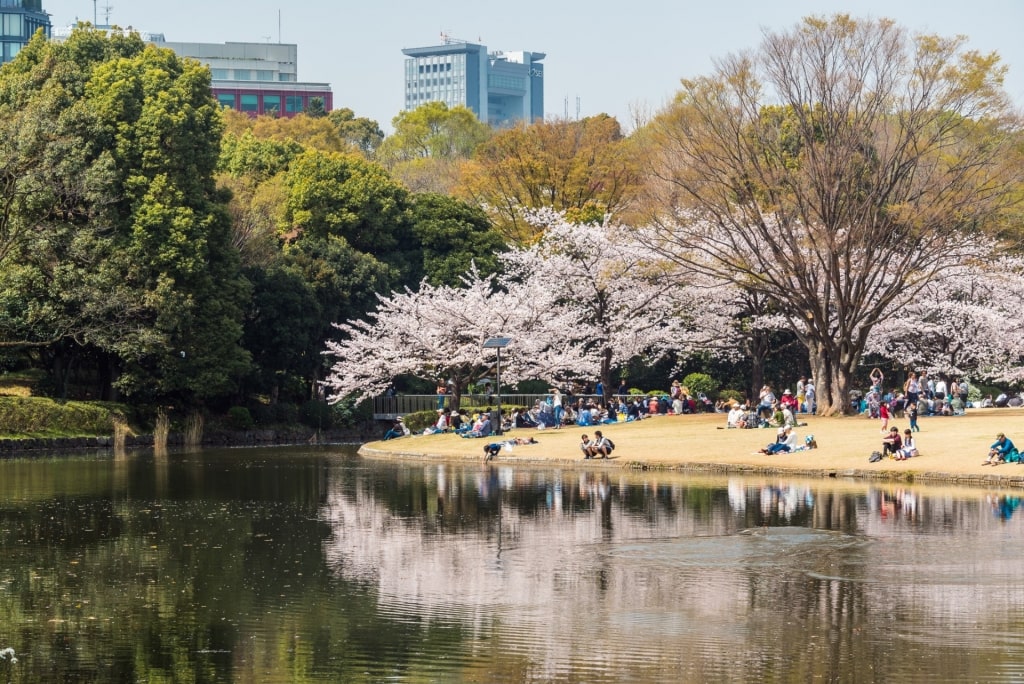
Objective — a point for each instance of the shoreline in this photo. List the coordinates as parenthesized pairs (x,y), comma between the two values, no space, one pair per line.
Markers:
(952,448)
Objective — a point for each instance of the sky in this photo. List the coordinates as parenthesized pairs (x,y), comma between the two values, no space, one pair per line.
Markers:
(623,58)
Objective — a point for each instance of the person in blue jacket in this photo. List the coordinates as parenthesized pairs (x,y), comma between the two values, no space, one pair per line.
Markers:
(1002,451)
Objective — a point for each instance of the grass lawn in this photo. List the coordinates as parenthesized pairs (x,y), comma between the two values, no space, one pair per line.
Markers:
(951,448)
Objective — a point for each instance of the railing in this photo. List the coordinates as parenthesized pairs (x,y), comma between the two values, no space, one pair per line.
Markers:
(389,408)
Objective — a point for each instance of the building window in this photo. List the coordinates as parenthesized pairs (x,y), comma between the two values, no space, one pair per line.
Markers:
(243,75)
(227,100)
(293,104)
(219,74)
(271,103)
(250,103)
(13,25)
(264,75)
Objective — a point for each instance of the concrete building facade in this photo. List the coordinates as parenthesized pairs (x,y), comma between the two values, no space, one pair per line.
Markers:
(255,78)
(500,87)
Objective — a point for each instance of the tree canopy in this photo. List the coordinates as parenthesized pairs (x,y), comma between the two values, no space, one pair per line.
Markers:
(838,169)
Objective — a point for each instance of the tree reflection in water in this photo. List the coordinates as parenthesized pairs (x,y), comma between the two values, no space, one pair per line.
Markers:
(284,564)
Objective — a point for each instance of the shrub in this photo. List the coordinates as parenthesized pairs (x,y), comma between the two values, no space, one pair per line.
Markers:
(39,416)
(701,383)
(731,395)
(239,418)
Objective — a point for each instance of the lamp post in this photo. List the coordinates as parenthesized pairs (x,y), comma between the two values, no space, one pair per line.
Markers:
(497,343)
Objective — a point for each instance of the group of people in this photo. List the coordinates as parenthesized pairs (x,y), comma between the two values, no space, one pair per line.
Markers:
(599,447)
(899,447)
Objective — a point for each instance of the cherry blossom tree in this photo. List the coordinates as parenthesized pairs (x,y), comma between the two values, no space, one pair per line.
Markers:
(838,170)
(438,332)
(965,323)
(628,300)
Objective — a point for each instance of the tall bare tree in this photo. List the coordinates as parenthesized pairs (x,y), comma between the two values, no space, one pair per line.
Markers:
(836,170)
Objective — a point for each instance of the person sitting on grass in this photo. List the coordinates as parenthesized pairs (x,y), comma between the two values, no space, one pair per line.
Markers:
(785,442)
(909,448)
(892,443)
(601,447)
(1002,451)
(397,430)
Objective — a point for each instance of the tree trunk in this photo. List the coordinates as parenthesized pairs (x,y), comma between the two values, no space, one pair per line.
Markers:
(832,367)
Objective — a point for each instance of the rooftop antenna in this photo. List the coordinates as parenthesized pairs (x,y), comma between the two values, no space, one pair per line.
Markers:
(279,27)
(107,9)
(95,16)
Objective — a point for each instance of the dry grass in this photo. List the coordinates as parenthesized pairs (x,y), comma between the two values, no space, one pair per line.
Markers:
(952,448)
(15,391)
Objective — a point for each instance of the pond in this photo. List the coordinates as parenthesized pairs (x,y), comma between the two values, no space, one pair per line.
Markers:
(312,564)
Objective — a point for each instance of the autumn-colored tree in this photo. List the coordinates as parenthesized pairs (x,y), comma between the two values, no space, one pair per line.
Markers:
(428,145)
(565,165)
(837,170)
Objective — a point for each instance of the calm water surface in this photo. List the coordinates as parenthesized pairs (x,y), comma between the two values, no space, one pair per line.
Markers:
(281,565)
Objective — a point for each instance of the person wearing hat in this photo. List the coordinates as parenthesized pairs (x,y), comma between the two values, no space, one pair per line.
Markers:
(789,401)
(785,442)
(397,430)
(1002,451)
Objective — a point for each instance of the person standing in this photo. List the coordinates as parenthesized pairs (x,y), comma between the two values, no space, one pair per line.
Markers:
(912,388)
(623,391)
(442,390)
(883,415)
(559,410)
(912,415)
(810,397)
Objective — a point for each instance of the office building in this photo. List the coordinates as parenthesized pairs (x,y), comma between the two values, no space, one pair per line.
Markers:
(19,20)
(500,87)
(255,78)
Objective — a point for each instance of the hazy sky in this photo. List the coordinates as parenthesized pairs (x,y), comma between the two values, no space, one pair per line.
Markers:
(614,57)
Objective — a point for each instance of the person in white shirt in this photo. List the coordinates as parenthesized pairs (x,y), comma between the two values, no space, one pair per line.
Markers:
(787,442)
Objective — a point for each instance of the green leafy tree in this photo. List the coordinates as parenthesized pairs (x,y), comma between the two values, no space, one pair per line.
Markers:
(453,235)
(429,144)
(126,244)
(361,133)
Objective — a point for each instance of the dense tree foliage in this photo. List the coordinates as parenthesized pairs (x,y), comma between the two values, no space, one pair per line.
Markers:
(883,157)
(117,246)
(429,144)
(573,166)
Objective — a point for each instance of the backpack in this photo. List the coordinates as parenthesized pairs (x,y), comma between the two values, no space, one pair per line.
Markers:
(875,457)
(610,443)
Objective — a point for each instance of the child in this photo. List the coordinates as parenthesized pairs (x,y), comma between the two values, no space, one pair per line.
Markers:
(883,415)
(909,448)
(912,414)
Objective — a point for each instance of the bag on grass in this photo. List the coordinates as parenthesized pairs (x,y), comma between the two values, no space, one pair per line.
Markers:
(875,457)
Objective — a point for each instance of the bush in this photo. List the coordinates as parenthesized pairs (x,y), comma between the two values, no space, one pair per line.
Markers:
(701,383)
(239,418)
(731,395)
(36,416)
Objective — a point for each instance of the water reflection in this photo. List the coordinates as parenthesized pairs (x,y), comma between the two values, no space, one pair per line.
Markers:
(285,564)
